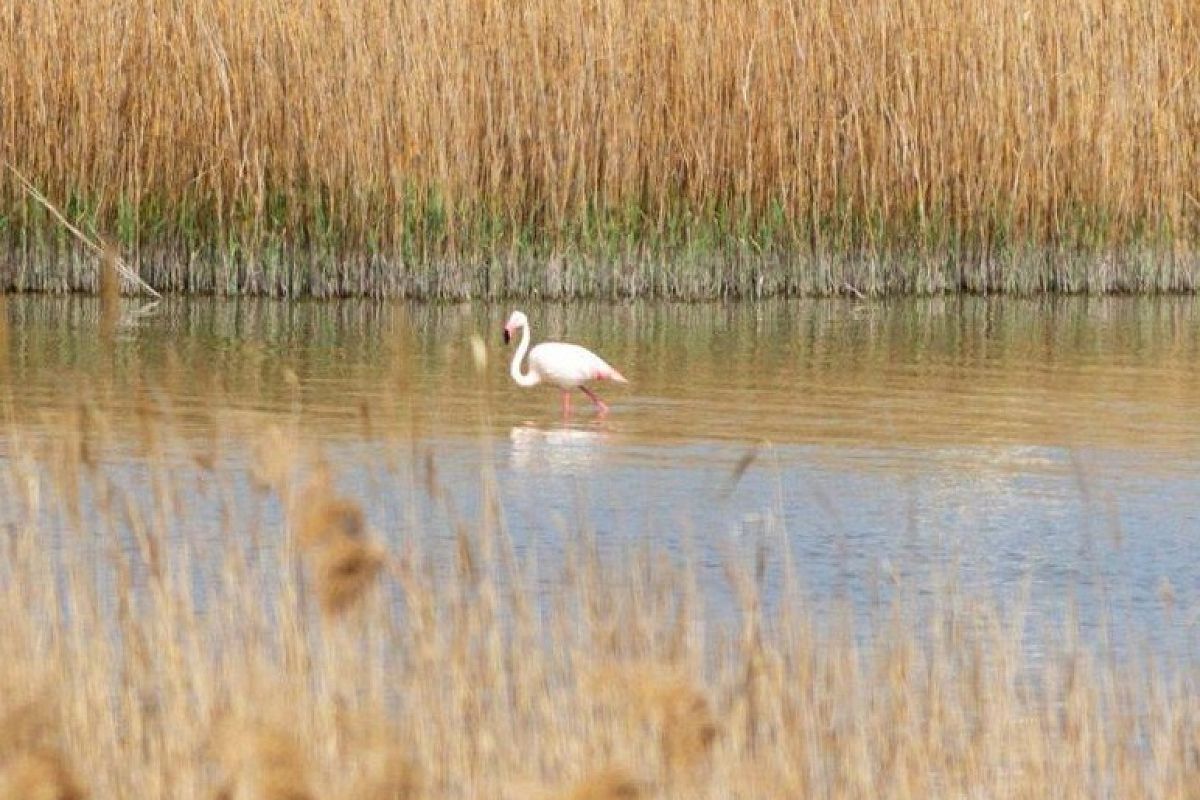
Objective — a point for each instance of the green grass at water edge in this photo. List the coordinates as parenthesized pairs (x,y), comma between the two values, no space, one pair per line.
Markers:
(423,248)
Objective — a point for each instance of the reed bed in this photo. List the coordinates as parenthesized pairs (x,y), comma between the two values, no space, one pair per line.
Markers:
(602,148)
(160,636)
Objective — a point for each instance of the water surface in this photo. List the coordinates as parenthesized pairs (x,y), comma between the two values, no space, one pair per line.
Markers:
(1045,449)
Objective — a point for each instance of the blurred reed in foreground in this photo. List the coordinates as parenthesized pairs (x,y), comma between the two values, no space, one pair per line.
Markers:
(584,147)
(142,655)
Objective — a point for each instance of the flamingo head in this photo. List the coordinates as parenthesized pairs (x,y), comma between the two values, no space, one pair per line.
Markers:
(515,322)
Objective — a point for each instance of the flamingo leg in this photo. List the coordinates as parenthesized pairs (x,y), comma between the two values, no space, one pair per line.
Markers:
(600,404)
(566,404)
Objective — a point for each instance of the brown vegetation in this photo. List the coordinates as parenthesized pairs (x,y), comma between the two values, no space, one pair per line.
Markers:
(980,144)
(259,762)
(32,765)
(39,775)
(607,784)
(145,655)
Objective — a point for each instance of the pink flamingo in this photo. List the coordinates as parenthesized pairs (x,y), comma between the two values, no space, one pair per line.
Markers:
(567,366)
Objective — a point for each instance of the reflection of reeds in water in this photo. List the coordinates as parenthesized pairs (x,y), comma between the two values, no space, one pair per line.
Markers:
(109,284)
(462,684)
(3,334)
(109,287)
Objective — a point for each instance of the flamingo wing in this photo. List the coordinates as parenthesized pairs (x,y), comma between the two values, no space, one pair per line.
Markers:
(569,365)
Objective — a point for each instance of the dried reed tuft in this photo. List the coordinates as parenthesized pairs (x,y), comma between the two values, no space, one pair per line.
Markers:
(665,697)
(26,725)
(388,774)
(32,766)
(322,517)
(331,531)
(611,783)
(345,569)
(42,774)
(689,728)
(259,762)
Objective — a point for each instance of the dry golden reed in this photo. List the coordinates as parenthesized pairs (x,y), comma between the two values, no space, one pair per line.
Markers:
(259,762)
(25,725)
(345,570)
(112,664)
(39,775)
(32,765)
(377,757)
(611,783)
(389,773)
(331,531)
(323,517)
(425,131)
(664,697)
(689,728)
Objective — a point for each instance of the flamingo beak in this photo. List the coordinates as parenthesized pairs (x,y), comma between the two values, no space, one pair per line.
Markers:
(507,335)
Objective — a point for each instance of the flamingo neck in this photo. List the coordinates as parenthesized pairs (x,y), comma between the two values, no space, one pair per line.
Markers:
(530,378)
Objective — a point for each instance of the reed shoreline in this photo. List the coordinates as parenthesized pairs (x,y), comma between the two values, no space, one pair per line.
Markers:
(726,274)
(594,148)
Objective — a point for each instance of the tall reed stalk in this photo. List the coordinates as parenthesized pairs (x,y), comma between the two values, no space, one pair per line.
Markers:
(573,147)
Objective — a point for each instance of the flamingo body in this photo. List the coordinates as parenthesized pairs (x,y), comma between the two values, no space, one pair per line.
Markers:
(567,366)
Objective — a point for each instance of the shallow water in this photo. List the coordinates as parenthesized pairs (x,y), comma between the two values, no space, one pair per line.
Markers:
(1048,450)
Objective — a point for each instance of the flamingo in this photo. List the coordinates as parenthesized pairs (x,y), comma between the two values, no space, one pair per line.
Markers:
(567,366)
